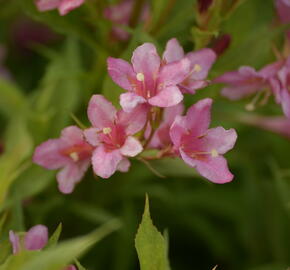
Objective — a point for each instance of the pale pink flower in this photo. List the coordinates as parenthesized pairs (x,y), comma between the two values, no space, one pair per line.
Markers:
(246,80)
(63,6)
(120,14)
(35,239)
(201,147)
(201,62)
(161,138)
(111,134)
(147,80)
(70,152)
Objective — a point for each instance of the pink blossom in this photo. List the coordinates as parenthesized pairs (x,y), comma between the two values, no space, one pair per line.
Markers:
(35,239)
(161,138)
(111,134)
(246,80)
(201,147)
(70,152)
(283,9)
(120,14)
(63,6)
(200,63)
(276,124)
(147,80)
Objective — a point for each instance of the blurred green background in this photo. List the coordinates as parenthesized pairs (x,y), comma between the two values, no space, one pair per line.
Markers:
(57,63)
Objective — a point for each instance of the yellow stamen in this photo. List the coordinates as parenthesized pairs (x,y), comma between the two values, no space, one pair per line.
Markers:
(140,77)
(74,156)
(107,130)
(214,153)
(197,68)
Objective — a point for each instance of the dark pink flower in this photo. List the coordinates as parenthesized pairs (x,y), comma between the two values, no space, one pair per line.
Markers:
(146,80)
(161,138)
(35,239)
(111,134)
(200,63)
(63,6)
(246,80)
(70,152)
(120,14)
(221,44)
(201,147)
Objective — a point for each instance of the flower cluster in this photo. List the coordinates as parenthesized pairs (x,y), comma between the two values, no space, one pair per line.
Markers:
(151,117)
(35,239)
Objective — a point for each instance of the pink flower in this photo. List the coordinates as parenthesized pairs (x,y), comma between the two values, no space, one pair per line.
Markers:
(200,63)
(70,152)
(63,6)
(246,80)
(200,147)
(146,80)
(70,267)
(161,138)
(276,124)
(35,239)
(120,14)
(283,9)
(111,134)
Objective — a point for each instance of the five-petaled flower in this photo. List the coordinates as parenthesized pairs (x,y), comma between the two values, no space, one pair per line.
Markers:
(201,147)
(111,134)
(63,6)
(147,80)
(200,63)
(70,152)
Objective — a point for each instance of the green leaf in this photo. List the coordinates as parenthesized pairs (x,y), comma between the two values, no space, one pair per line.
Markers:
(54,238)
(63,254)
(151,245)
(79,266)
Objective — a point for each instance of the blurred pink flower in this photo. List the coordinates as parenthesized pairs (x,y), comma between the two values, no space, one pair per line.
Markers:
(35,239)
(63,6)
(120,14)
(147,80)
(111,134)
(246,80)
(200,63)
(70,152)
(283,9)
(201,147)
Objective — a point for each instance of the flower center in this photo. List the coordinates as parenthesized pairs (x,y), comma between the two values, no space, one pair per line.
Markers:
(140,77)
(74,156)
(107,130)
(197,68)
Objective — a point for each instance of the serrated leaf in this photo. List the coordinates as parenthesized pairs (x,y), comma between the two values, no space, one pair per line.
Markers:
(150,244)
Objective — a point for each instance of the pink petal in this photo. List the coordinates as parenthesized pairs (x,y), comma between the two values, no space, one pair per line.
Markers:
(201,61)
(70,267)
(92,136)
(215,169)
(68,5)
(173,51)
(238,92)
(48,154)
(174,73)
(105,163)
(285,102)
(121,72)
(220,139)
(283,9)
(271,69)
(70,175)
(198,117)
(135,120)
(101,112)
(124,165)
(171,112)
(131,148)
(72,135)
(170,96)
(15,242)
(44,5)
(129,101)
(191,85)
(146,60)
(36,238)
(177,130)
